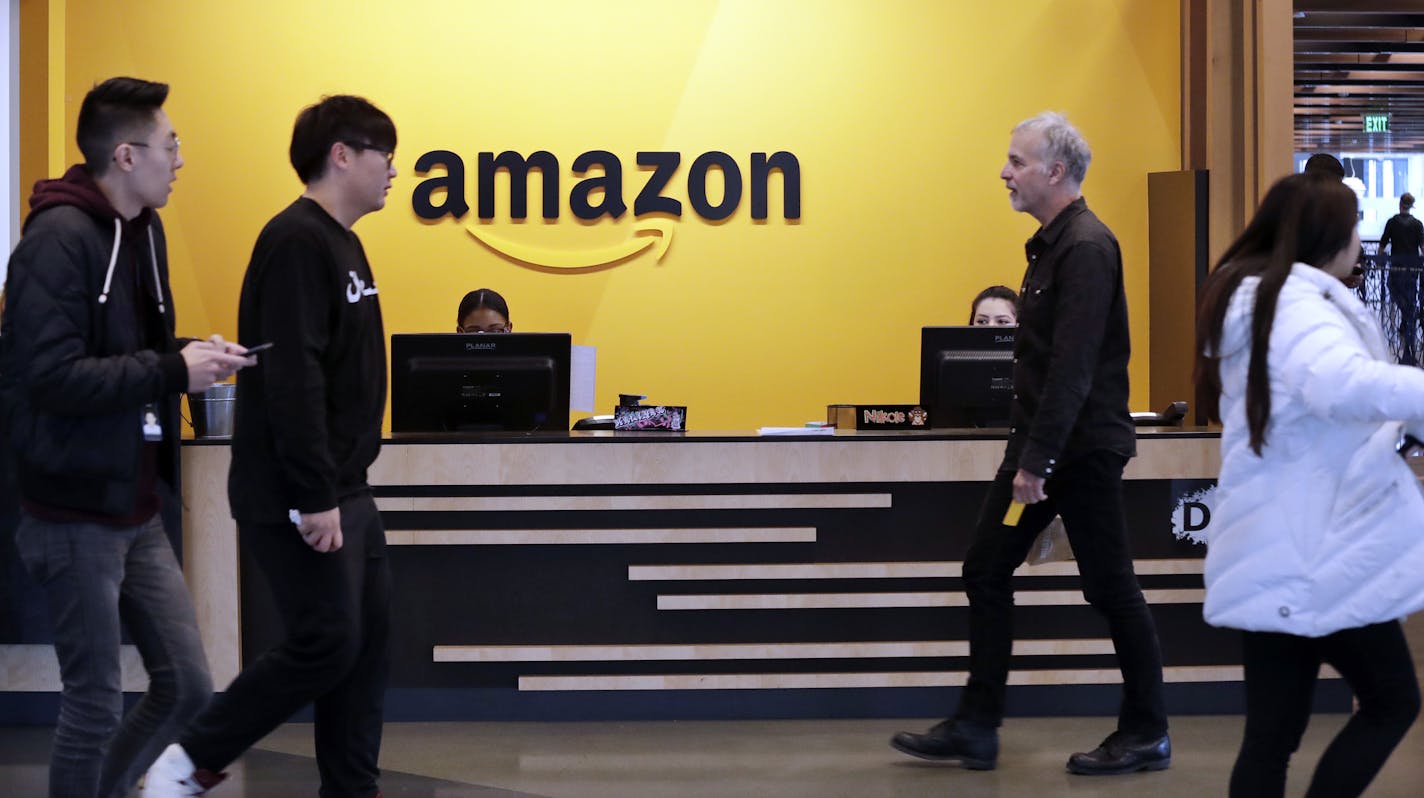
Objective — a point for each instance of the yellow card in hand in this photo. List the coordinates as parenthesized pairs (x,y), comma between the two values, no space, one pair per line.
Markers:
(1012,515)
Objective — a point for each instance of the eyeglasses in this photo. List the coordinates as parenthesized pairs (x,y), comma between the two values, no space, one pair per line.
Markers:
(493,328)
(361,145)
(171,149)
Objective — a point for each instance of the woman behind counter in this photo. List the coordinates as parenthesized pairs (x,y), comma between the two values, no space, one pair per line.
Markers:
(1316,544)
(996,306)
(483,311)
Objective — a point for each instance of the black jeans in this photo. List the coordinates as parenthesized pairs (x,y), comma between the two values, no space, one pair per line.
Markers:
(1087,493)
(336,609)
(1403,282)
(1280,681)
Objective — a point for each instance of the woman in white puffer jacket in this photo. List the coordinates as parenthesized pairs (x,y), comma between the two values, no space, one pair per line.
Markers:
(1316,546)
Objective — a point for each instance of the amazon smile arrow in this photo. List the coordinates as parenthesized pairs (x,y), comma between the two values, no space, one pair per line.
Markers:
(658,239)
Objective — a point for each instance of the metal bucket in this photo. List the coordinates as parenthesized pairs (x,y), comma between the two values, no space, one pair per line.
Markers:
(213,410)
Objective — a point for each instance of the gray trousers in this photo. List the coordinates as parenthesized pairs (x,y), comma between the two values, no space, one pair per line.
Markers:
(98,578)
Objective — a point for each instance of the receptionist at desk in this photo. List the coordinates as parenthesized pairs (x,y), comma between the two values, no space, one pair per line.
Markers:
(513,382)
(995,306)
(483,311)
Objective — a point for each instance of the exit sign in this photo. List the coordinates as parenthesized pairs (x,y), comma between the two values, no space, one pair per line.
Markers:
(1376,123)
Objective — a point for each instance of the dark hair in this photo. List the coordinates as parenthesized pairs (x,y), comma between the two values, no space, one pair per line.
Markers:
(482,298)
(1406,200)
(341,117)
(994,292)
(1325,164)
(113,111)
(1304,218)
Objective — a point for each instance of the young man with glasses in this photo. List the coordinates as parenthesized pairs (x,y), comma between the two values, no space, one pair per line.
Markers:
(90,375)
(308,424)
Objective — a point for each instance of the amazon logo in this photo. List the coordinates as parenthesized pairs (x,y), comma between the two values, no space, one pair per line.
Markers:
(602,194)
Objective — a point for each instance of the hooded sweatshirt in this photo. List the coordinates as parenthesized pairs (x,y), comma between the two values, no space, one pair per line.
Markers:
(87,345)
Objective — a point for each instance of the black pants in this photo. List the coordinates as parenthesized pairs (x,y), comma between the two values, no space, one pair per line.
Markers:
(1280,682)
(1403,282)
(336,610)
(1087,493)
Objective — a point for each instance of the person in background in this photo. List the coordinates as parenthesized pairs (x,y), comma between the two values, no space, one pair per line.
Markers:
(307,427)
(91,378)
(996,306)
(1323,163)
(1403,239)
(1070,439)
(483,311)
(1316,545)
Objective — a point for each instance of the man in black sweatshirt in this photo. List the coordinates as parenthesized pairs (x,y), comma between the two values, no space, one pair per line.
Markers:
(1403,239)
(90,373)
(308,425)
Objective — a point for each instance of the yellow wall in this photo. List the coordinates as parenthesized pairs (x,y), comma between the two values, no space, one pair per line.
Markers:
(899,113)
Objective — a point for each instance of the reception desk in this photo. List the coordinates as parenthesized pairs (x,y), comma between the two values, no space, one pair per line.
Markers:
(612,575)
(706,575)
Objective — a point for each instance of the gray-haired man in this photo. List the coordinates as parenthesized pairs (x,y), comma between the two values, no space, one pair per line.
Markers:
(1069,440)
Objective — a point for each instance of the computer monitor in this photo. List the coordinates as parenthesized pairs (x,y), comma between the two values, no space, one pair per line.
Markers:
(967,375)
(459,382)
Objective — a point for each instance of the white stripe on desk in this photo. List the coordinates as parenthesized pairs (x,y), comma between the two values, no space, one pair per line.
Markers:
(876,570)
(791,681)
(724,501)
(761,651)
(576,537)
(820,601)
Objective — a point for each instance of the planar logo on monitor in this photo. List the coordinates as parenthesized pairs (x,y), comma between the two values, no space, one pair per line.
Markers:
(471,346)
(601,195)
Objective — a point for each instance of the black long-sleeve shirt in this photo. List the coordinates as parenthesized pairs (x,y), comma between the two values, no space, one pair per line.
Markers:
(1070,360)
(308,420)
(1404,236)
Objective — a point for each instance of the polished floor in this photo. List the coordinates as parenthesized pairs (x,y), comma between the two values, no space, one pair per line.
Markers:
(749,759)
(763,759)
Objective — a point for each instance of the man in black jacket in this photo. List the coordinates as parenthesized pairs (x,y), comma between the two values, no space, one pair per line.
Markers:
(308,425)
(89,383)
(1403,239)
(1069,440)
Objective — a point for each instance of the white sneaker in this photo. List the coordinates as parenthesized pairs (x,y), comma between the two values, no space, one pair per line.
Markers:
(173,775)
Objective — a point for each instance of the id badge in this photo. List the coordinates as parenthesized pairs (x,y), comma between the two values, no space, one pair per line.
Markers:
(152,428)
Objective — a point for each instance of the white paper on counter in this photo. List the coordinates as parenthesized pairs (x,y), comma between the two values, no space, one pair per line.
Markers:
(583,366)
(796,430)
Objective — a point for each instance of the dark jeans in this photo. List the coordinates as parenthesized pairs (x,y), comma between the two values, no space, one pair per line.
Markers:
(96,578)
(1087,493)
(1403,282)
(1280,681)
(336,609)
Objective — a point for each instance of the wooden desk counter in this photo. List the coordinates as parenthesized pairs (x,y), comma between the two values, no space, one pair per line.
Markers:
(600,574)
(697,575)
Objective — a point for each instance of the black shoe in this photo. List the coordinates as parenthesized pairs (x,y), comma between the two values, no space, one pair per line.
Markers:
(1123,753)
(974,747)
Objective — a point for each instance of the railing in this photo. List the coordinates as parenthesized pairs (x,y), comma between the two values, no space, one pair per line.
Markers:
(1393,292)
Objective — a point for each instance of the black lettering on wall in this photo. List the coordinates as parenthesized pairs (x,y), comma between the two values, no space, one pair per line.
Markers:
(518,168)
(453,184)
(610,183)
(790,169)
(651,199)
(731,183)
